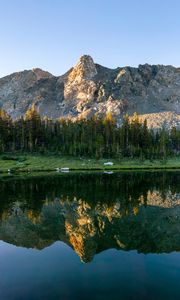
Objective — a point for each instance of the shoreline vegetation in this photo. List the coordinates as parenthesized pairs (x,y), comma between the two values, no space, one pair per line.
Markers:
(28,163)
(36,144)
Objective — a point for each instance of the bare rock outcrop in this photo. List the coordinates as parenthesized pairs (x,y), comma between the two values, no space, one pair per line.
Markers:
(90,89)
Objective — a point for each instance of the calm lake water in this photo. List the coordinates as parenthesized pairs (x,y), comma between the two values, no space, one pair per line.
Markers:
(90,236)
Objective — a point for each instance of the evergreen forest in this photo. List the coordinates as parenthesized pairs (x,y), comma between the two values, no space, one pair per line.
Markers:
(96,137)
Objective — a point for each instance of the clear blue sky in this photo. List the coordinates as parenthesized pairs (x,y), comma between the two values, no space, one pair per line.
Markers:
(53,34)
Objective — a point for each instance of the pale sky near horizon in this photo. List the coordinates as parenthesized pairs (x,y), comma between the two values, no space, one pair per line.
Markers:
(53,34)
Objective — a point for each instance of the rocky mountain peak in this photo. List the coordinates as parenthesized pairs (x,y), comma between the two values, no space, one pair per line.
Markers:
(90,89)
(84,69)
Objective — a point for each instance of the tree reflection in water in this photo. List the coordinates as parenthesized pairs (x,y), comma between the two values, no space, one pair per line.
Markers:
(93,212)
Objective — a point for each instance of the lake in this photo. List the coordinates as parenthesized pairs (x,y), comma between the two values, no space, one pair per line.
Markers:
(90,236)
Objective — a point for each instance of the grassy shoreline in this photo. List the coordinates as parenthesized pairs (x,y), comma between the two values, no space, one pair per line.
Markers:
(48,163)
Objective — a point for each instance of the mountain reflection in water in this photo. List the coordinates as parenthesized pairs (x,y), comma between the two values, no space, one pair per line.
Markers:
(93,212)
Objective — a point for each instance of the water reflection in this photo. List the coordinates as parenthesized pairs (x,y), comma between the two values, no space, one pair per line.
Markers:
(93,212)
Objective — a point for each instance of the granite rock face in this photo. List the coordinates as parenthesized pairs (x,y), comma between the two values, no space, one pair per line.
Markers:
(90,89)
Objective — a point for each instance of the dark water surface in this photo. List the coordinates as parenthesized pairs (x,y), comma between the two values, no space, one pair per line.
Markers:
(90,236)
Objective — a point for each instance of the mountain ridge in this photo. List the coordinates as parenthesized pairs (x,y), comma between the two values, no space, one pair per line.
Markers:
(90,89)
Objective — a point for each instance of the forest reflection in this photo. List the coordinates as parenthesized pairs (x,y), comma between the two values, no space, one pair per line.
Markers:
(93,212)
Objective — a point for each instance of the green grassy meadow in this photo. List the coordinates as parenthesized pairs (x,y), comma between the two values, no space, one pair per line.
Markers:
(41,163)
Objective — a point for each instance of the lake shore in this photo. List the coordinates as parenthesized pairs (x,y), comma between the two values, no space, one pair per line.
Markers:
(47,163)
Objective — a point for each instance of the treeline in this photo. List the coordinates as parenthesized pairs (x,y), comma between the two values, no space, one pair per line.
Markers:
(96,137)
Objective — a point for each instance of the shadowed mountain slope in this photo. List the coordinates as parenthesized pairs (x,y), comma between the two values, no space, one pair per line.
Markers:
(90,89)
